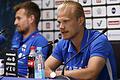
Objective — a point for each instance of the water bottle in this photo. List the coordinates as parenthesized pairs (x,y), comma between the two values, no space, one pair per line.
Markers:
(39,64)
(31,59)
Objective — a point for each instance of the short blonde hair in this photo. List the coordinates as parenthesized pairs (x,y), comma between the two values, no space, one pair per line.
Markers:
(78,9)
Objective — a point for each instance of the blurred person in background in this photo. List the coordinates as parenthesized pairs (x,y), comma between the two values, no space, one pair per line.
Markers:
(26,35)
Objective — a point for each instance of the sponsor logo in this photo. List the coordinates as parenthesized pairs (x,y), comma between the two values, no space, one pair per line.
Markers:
(99,23)
(88,23)
(87,11)
(84,1)
(114,22)
(99,11)
(48,36)
(21,55)
(47,3)
(48,25)
(98,1)
(113,10)
(58,2)
(24,47)
(59,36)
(47,14)
(113,0)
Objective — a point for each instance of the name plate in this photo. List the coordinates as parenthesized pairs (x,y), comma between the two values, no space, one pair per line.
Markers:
(10,63)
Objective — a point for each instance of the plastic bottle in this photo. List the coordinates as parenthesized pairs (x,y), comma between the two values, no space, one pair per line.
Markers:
(31,59)
(39,64)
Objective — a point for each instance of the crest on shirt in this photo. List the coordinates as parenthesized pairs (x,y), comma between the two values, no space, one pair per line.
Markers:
(24,47)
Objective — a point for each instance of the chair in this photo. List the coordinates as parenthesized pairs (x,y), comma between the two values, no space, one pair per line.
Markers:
(116,48)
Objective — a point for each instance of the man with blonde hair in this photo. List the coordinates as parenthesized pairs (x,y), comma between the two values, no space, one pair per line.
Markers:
(95,62)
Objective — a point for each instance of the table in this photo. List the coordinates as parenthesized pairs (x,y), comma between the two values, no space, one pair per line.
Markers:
(20,78)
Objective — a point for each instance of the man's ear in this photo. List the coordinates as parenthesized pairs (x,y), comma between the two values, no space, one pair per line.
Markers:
(31,18)
(81,20)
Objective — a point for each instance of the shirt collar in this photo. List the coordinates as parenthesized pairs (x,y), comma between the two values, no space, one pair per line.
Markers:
(31,35)
(70,47)
(85,38)
(84,41)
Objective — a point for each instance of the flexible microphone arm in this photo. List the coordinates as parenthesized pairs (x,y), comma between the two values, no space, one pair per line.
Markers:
(82,49)
(51,42)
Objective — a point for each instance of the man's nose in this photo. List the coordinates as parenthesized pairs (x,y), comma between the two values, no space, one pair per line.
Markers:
(15,22)
(61,25)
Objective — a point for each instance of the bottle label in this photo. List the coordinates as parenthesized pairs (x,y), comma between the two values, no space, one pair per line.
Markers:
(31,63)
(39,65)
(40,74)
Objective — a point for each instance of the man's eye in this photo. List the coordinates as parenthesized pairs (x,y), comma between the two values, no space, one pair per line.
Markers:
(18,18)
(58,22)
(65,21)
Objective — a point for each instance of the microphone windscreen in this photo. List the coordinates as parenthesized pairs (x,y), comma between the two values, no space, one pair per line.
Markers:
(104,30)
(56,41)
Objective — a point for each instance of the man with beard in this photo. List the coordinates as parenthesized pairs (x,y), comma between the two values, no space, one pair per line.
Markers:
(26,20)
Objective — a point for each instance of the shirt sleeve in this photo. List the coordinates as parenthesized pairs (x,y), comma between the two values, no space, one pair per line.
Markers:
(101,47)
(57,52)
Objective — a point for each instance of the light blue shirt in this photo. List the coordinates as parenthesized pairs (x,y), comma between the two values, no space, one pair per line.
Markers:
(100,47)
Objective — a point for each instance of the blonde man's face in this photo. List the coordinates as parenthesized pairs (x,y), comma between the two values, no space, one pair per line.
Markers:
(68,23)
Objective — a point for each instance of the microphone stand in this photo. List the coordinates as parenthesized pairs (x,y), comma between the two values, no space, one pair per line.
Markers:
(82,49)
(2,31)
(51,42)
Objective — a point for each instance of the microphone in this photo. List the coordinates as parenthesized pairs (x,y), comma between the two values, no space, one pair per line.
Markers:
(49,43)
(62,74)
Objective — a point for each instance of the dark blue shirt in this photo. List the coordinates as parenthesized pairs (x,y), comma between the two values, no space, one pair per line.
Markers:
(100,47)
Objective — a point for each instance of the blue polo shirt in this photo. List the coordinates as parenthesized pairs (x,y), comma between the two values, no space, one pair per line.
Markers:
(100,47)
(23,45)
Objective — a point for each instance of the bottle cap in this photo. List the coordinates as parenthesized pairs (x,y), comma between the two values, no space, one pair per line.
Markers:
(32,48)
(39,48)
